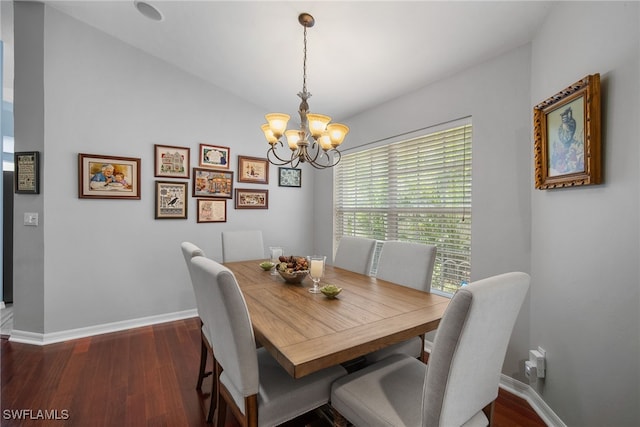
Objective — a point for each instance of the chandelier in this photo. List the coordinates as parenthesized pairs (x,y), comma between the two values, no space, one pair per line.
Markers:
(316,138)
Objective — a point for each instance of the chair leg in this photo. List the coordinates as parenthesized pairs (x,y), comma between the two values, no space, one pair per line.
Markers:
(338,419)
(221,412)
(204,352)
(488,412)
(215,393)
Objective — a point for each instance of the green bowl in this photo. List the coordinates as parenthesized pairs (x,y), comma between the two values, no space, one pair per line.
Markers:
(330,291)
(267,265)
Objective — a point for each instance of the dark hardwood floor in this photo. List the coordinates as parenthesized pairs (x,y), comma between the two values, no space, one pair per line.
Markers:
(140,377)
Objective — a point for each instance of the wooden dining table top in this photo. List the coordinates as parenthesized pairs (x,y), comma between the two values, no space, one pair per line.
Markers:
(308,332)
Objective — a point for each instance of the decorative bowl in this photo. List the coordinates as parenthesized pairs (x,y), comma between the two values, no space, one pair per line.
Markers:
(267,265)
(290,275)
(330,291)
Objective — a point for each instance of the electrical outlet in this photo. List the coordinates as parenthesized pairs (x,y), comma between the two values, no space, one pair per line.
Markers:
(537,361)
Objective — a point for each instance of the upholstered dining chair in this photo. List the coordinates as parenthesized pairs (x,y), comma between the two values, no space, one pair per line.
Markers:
(189,250)
(459,385)
(409,264)
(242,245)
(355,254)
(253,385)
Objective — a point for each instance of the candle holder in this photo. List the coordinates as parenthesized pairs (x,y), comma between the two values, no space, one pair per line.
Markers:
(316,271)
(275,252)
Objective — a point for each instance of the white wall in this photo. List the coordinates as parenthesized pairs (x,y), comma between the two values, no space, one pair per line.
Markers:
(585,305)
(496,95)
(108,260)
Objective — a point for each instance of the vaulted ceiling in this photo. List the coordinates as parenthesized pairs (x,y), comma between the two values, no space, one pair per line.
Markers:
(360,53)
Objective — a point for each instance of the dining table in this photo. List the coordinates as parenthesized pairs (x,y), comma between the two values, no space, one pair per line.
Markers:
(307,332)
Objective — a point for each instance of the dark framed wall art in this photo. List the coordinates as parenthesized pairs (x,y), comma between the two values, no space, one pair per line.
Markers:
(108,177)
(27,172)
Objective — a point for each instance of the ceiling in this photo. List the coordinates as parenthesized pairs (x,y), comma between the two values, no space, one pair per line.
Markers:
(360,53)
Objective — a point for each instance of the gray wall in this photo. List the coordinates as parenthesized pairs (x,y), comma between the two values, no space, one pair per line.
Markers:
(580,245)
(585,302)
(93,262)
(496,95)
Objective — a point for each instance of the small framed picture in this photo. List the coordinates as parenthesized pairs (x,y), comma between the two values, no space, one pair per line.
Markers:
(27,172)
(108,177)
(214,156)
(567,146)
(211,183)
(289,177)
(248,198)
(171,162)
(171,200)
(253,169)
(212,210)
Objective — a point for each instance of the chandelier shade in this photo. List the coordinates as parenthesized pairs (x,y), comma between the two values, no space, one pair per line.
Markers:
(316,141)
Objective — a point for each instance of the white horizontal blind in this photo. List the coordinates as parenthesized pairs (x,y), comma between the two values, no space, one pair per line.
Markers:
(417,190)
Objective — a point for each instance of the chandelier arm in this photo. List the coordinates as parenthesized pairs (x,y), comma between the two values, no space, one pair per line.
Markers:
(282,162)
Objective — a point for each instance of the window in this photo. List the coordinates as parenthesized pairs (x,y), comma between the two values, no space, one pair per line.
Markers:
(415,190)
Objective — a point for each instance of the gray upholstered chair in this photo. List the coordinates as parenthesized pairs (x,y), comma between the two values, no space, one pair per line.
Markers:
(252,383)
(189,250)
(355,254)
(408,264)
(242,245)
(460,384)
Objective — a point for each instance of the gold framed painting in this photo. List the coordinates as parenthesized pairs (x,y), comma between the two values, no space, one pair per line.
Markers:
(567,137)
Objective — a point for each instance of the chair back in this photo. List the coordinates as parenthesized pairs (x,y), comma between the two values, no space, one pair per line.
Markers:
(407,263)
(355,254)
(469,349)
(227,317)
(189,250)
(242,245)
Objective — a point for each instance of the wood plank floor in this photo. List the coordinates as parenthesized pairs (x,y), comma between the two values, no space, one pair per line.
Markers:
(141,377)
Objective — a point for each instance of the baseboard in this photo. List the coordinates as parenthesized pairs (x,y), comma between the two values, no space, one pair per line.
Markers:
(526,392)
(26,337)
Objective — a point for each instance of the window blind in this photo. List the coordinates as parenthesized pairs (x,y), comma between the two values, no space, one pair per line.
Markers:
(417,190)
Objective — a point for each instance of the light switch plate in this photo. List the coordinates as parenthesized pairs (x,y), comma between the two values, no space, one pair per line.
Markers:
(31,218)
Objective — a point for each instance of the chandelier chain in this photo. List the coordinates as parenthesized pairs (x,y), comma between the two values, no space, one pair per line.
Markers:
(304,63)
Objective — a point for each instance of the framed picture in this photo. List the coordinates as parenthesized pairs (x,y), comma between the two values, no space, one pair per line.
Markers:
(253,169)
(27,172)
(567,150)
(248,198)
(171,199)
(212,210)
(108,177)
(214,156)
(289,177)
(211,183)
(171,162)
